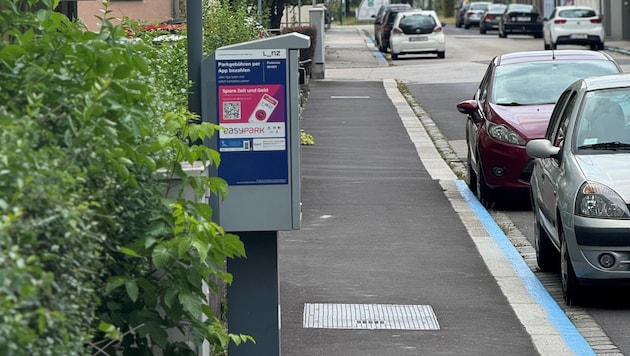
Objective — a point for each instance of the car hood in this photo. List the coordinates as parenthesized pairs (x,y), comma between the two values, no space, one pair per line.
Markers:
(530,121)
(612,170)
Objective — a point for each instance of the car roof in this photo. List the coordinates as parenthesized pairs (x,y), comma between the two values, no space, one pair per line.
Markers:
(607,81)
(545,55)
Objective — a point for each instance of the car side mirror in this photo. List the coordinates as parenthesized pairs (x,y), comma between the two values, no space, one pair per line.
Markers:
(470,108)
(542,148)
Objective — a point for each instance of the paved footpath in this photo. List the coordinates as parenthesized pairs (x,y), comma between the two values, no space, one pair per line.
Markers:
(395,255)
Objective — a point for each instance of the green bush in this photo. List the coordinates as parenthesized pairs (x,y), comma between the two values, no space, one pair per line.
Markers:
(93,256)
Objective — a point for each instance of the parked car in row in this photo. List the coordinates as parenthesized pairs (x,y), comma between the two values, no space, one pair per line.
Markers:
(387,23)
(578,25)
(472,17)
(460,12)
(378,20)
(511,106)
(491,17)
(521,19)
(417,32)
(580,186)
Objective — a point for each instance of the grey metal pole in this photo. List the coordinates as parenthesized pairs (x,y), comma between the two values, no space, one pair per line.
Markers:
(194,39)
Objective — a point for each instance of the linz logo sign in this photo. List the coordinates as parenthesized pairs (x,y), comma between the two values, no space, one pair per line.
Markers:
(271,53)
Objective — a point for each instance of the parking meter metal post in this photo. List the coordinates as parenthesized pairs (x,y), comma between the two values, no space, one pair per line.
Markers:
(251,89)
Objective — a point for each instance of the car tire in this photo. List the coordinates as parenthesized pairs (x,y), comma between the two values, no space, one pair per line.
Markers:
(547,257)
(467,26)
(600,46)
(441,54)
(394,56)
(484,193)
(571,289)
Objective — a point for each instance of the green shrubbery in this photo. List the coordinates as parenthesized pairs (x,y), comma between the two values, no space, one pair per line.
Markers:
(93,257)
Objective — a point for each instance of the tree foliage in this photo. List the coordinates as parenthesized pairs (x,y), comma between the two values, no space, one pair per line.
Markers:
(95,257)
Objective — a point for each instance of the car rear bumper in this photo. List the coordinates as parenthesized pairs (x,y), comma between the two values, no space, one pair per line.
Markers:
(578,41)
(401,45)
(524,28)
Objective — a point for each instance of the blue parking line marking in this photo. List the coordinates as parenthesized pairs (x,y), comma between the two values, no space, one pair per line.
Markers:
(379,55)
(569,333)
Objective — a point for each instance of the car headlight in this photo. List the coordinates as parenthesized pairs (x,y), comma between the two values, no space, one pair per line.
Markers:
(595,200)
(505,134)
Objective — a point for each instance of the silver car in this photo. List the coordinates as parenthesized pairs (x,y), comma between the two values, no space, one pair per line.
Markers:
(581,186)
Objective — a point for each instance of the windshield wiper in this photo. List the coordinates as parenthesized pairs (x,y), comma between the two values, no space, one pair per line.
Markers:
(613,146)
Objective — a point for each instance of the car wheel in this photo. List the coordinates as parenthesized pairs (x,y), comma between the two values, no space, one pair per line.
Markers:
(467,26)
(484,193)
(547,256)
(600,46)
(441,54)
(571,290)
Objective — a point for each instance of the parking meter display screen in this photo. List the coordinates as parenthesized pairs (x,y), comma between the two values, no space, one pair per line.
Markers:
(252,110)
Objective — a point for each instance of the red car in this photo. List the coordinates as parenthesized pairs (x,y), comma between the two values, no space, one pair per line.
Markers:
(513,105)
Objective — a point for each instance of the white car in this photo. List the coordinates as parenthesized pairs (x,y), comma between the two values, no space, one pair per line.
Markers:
(579,25)
(417,31)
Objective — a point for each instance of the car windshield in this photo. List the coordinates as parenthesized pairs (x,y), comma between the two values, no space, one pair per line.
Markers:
(604,121)
(535,83)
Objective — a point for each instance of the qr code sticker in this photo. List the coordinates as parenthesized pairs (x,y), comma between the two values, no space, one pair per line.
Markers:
(231,110)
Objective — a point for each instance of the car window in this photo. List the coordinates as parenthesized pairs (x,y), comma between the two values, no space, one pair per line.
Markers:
(577,13)
(496,8)
(603,118)
(566,111)
(476,6)
(542,82)
(522,8)
(417,23)
(554,121)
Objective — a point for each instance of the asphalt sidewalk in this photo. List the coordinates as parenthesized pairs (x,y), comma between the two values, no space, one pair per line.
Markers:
(395,255)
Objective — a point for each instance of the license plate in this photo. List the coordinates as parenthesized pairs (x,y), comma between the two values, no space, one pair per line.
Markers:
(418,38)
(579,36)
(522,19)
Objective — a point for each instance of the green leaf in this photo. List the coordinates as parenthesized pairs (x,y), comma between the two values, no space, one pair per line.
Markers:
(113,283)
(191,304)
(128,251)
(132,289)
(122,71)
(170,295)
(161,256)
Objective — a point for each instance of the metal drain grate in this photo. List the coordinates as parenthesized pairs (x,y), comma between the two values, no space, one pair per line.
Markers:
(369,316)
